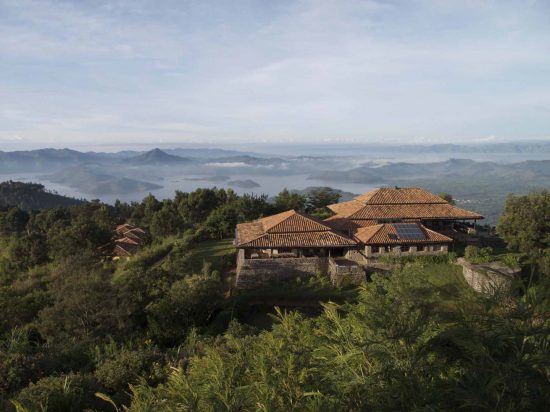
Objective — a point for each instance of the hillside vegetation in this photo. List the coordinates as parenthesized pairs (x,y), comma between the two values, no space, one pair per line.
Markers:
(31,196)
(162,331)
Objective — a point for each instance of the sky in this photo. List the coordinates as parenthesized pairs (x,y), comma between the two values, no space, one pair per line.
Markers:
(101,74)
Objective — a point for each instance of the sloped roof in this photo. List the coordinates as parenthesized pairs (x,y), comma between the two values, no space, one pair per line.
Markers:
(136,234)
(386,233)
(127,227)
(414,211)
(346,208)
(124,228)
(387,195)
(400,203)
(341,223)
(127,240)
(289,229)
(125,249)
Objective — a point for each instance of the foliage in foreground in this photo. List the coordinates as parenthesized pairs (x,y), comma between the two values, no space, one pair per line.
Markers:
(406,345)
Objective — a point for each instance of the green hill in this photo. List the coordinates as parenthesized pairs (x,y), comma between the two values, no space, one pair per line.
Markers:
(32,196)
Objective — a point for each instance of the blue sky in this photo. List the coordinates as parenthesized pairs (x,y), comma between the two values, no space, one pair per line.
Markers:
(100,73)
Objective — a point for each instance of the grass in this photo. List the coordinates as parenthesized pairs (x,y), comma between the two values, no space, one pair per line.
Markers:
(440,274)
(219,253)
(150,255)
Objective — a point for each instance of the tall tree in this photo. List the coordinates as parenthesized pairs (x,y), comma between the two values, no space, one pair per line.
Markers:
(287,200)
(525,226)
(320,198)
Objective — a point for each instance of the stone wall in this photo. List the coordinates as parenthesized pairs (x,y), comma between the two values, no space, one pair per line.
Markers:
(256,272)
(356,256)
(488,278)
(348,274)
(430,249)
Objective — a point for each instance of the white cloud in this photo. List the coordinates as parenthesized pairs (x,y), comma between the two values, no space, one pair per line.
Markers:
(302,70)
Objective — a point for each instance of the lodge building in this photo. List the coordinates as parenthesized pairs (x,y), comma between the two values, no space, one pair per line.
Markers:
(394,221)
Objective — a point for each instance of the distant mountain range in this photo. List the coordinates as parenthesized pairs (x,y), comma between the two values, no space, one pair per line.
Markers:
(451,168)
(48,159)
(55,159)
(157,157)
(480,185)
(539,147)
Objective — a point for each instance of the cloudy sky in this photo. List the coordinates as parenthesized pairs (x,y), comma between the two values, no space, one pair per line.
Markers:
(99,73)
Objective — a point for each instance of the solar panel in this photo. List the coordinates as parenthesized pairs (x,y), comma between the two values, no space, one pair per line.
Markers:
(409,231)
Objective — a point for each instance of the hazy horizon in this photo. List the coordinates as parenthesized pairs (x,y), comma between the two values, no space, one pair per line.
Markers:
(81,74)
(286,148)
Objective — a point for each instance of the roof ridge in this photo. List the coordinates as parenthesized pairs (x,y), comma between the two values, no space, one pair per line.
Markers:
(292,214)
(266,221)
(399,195)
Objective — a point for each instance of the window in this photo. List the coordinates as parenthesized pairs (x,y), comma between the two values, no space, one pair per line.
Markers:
(375,249)
(437,248)
(420,248)
(405,248)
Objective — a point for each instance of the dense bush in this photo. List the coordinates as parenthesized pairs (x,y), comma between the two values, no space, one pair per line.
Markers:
(189,302)
(511,260)
(66,393)
(125,367)
(474,254)
(421,259)
(406,345)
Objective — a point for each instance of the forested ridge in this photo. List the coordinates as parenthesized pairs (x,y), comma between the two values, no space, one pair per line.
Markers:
(162,332)
(31,196)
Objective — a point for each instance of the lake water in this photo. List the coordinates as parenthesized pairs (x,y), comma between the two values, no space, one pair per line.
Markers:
(270,185)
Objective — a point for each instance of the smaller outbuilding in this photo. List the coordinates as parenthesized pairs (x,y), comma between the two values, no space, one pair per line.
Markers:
(128,240)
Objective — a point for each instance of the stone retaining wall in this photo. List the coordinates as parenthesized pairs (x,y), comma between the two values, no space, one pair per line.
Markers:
(488,278)
(356,256)
(256,272)
(345,275)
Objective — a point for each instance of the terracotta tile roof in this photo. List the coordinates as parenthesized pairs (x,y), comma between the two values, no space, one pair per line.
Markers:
(387,196)
(289,229)
(400,203)
(346,208)
(341,223)
(128,228)
(414,211)
(304,239)
(120,229)
(386,233)
(127,240)
(292,221)
(124,249)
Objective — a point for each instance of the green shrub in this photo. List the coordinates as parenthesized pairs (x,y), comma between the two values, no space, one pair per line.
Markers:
(72,392)
(474,254)
(125,367)
(511,260)
(420,259)
(189,302)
